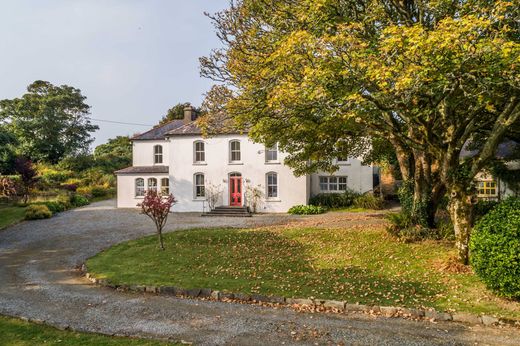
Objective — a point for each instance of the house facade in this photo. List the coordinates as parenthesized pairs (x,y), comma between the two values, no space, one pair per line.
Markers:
(230,169)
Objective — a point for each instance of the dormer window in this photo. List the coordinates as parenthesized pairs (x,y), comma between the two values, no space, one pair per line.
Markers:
(157,154)
(271,154)
(342,160)
(199,152)
(234,151)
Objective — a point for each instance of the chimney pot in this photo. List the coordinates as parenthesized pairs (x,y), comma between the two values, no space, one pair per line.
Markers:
(189,114)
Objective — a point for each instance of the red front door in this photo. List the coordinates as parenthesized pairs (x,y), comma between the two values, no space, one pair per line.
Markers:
(235,191)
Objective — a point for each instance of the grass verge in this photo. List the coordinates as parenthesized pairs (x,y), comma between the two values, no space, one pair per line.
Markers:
(15,332)
(11,215)
(354,265)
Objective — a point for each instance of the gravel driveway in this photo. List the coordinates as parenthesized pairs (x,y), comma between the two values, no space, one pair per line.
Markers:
(38,281)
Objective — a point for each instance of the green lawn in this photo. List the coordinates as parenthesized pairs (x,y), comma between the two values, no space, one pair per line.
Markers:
(365,266)
(14,332)
(11,215)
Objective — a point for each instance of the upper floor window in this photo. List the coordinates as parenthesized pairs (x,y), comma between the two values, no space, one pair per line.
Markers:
(139,187)
(271,154)
(234,151)
(487,188)
(152,184)
(157,154)
(272,185)
(200,191)
(333,184)
(342,160)
(200,155)
(165,186)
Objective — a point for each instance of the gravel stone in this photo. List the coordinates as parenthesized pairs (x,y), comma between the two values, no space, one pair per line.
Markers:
(47,253)
(334,304)
(466,318)
(489,320)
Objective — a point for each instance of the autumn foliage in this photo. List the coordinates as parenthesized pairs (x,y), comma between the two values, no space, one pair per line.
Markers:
(157,207)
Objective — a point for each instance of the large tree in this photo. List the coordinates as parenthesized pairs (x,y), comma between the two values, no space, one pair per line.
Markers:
(176,112)
(114,154)
(431,77)
(7,151)
(50,122)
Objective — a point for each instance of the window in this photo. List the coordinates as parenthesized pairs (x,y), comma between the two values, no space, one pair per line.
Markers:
(157,154)
(342,160)
(234,151)
(487,188)
(200,155)
(139,187)
(271,154)
(152,184)
(333,184)
(272,185)
(199,185)
(165,186)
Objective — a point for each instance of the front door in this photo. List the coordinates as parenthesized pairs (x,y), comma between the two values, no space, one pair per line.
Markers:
(235,191)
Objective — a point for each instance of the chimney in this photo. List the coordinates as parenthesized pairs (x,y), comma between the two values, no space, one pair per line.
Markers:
(189,114)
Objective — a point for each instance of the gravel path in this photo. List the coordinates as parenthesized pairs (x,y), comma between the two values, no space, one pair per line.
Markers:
(38,280)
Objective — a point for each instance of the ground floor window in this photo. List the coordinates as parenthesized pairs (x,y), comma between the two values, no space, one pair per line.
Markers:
(200,191)
(272,185)
(139,187)
(165,186)
(333,184)
(152,184)
(487,188)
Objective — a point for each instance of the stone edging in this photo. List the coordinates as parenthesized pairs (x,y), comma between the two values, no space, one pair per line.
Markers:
(320,305)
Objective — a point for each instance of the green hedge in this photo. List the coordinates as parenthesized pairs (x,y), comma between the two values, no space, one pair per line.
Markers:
(334,200)
(306,210)
(495,248)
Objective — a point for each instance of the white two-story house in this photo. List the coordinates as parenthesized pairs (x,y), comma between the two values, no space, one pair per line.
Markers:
(176,158)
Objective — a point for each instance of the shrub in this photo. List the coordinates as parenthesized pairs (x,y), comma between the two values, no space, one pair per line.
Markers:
(37,211)
(483,207)
(306,210)
(69,187)
(85,191)
(334,200)
(368,201)
(79,200)
(99,191)
(495,248)
(397,222)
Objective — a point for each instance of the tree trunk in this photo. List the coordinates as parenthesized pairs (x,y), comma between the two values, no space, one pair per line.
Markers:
(461,212)
(159,234)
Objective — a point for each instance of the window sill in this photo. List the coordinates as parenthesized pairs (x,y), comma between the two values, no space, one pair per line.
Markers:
(139,197)
(344,164)
(273,200)
(236,163)
(272,162)
(200,199)
(200,164)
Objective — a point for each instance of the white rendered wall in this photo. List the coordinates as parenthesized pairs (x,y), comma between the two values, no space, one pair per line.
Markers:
(143,152)
(291,190)
(359,177)
(126,188)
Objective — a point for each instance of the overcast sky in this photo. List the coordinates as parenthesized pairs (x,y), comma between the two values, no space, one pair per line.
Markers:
(132,59)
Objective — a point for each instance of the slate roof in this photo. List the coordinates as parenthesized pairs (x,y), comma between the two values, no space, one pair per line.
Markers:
(143,169)
(188,129)
(159,131)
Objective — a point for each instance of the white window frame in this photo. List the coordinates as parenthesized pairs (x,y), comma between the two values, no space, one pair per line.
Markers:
(157,154)
(199,156)
(271,151)
(235,151)
(196,185)
(331,184)
(165,186)
(343,161)
(269,185)
(140,190)
(151,184)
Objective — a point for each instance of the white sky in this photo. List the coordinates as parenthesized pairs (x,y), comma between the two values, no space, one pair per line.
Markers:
(132,59)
